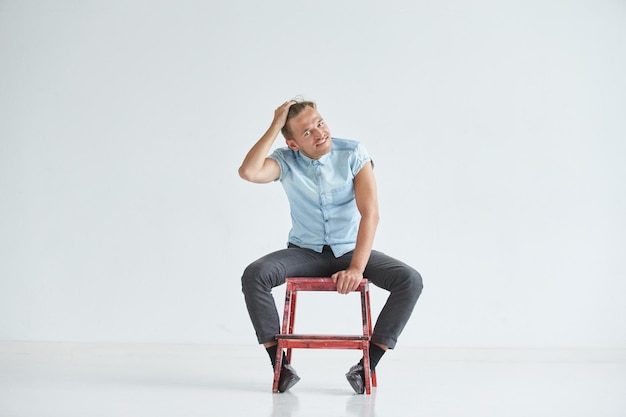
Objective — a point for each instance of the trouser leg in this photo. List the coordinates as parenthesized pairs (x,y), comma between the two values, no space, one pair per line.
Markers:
(270,271)
(404,285)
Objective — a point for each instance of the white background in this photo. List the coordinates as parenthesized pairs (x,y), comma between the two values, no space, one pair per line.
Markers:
(497,129)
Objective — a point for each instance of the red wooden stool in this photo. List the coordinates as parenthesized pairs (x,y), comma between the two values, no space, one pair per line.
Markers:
(288,340)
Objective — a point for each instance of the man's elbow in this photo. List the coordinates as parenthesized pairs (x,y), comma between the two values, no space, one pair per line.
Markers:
(257,177)
(371,216)
(246,174)
(243,173)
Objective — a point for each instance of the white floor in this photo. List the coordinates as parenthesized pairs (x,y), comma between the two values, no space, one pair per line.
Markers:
(41,380)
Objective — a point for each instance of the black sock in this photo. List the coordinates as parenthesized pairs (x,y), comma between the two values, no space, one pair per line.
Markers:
(376,352)
(272,352)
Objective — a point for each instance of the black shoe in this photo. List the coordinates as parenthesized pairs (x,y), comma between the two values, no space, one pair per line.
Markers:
(356,378)
(288,378)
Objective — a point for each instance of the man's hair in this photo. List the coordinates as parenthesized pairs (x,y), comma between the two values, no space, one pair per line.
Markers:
(295,110)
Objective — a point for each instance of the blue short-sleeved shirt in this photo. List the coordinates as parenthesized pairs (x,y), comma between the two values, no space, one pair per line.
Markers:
(321,195)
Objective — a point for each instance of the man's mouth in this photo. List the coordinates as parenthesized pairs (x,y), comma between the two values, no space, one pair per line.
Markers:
(321,141)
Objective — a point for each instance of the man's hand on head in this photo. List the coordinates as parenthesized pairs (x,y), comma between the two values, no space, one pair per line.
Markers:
(280,114)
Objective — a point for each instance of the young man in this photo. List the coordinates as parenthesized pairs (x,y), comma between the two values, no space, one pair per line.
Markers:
(331,189)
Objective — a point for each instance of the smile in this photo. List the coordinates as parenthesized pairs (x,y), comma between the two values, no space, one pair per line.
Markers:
(321,142)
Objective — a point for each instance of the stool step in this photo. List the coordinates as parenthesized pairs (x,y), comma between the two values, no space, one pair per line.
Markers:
(321,337)
(320,341)
(323,344)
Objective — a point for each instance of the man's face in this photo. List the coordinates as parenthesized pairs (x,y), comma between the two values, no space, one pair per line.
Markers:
(310,135)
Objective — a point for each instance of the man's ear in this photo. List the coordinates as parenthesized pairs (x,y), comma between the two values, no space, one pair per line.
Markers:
(292,144)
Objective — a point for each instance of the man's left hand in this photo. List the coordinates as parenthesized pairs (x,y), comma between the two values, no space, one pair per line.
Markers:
(347,280)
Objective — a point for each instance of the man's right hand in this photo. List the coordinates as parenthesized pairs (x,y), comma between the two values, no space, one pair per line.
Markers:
(280,114)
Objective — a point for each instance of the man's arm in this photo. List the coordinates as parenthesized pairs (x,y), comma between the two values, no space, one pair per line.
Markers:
(256,166)
(367,203)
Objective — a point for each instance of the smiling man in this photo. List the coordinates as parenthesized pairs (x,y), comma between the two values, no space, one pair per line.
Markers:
(331,190)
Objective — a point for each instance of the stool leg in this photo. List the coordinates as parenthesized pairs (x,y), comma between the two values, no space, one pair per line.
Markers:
(286,329)
(366,332)
(292,319)
(366,367)
(279,365)
(368,326)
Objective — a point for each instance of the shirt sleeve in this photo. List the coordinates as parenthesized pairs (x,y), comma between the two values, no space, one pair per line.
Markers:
(279,157)
(359,158)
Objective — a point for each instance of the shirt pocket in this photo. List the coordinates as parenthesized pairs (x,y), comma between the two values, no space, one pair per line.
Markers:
(342,195)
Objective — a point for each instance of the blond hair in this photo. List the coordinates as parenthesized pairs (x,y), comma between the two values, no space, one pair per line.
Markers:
(295,110)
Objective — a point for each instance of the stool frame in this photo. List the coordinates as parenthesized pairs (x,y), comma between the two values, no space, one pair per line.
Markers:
(289,340)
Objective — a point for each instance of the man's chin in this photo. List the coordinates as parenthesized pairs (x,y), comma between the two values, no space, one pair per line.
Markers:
(325,146)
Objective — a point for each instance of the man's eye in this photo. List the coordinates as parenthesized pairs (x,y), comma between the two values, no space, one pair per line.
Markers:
(307,133)
(320,124)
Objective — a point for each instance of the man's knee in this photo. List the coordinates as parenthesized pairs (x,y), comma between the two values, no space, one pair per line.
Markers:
(259,274)
(414,283)
(250,277)
(419,283)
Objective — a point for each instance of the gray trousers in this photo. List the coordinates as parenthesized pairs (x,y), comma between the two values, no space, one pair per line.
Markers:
(403,283)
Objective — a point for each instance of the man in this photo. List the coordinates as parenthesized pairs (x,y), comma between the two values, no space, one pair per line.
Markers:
(331,189)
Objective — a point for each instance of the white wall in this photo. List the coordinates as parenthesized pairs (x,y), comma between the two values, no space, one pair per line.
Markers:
(497,128)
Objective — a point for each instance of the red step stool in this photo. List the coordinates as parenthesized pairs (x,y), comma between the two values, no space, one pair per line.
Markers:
(288,340)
